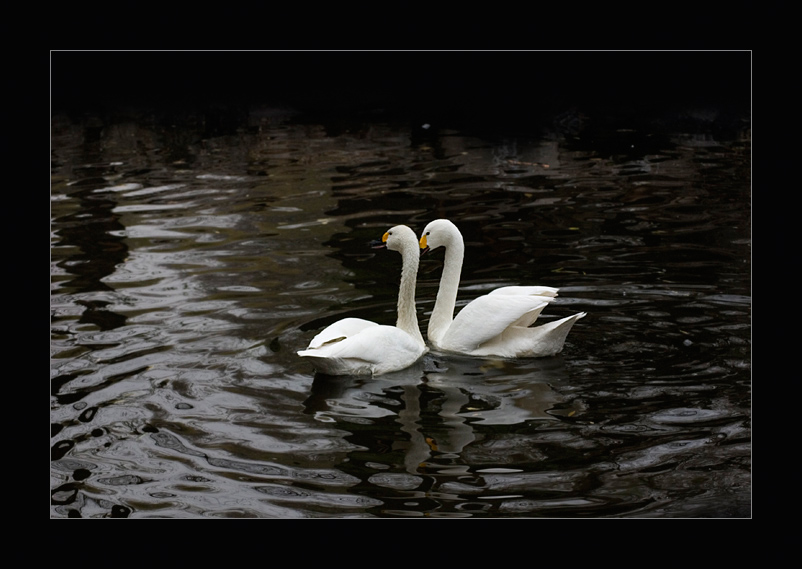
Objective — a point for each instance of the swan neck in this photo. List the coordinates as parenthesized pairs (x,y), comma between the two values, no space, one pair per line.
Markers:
(443,312)
(407,315)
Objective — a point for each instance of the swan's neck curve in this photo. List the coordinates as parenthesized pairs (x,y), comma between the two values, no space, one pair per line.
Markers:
(443,312)
(407,315)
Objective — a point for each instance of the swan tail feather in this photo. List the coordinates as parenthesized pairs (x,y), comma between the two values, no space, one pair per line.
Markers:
(537,342)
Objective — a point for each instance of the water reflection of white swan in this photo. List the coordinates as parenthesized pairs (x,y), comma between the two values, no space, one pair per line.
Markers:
(442,406)
(354,346)
(496,324)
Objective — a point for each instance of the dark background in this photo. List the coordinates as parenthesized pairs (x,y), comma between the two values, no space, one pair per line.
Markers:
(491,90)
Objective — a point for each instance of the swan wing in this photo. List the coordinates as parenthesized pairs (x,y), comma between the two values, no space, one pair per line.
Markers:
(546,291)
(486,317)
(340,330)
(541,341)
(374,350)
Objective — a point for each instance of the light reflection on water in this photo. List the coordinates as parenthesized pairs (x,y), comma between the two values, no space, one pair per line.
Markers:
(186,271)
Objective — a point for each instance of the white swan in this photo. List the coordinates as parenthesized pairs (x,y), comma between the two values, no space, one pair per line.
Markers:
(497,324)
(354,346)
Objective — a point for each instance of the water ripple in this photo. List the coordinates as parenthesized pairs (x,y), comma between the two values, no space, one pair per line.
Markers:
(188,267)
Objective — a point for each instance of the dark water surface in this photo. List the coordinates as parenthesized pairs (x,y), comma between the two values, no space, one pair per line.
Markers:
(189,263)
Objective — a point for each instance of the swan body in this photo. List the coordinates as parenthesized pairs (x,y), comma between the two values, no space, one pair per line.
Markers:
(354,346)
(496,324)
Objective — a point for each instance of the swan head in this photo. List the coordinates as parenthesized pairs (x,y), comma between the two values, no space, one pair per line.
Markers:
(439,233)
(400,238)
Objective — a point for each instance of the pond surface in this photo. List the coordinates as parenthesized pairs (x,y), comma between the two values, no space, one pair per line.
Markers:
(189,263)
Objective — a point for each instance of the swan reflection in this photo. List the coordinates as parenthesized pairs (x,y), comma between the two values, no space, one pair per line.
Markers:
(432,411)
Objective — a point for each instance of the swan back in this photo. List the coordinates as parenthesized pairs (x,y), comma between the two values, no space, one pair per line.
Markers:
(373,350)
